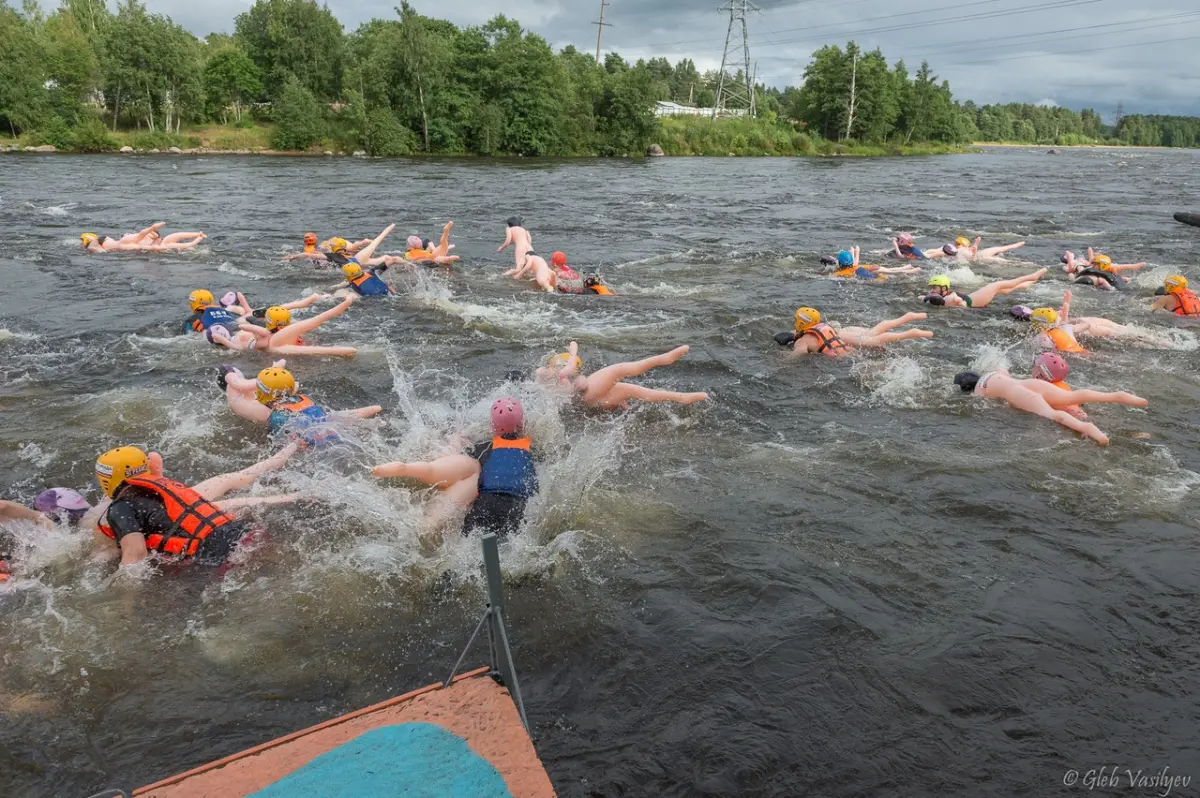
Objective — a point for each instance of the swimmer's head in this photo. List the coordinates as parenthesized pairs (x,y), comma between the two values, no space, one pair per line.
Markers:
(62,504)
(905,239)
(806,318)
(352,271)
(1102,262)
(514,221)
(277,317)
(310,239)
(507,416)
(1175,283)
(273,383)
(338,244)
(1044,318)
(950,250)
(414,242)
(1051,368)
(1065,257)
(559,259)
(1020,312)
(563,359)
(845,258)
(117,465)
(962,241)
(200,298)
(940,284)
(966,380)
(229,298)
(88,239)
(217,332)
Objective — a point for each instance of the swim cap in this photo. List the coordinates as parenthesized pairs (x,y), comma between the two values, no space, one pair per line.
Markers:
(934,299)
(338,244)
(962,241)
(939,281)
(217,331)
(200,299)
(1021,312)
(117,465)
(785,338)
(1102,262)
(829,260)
(514,221)
(277,317)
(58,503)
(310,239)
(414,242)
(807,317)
(967,380)
(905,239)
(1065,257)
(507,416)
(950,250)
(273,383)
(222,371)
(1050,367)
(230,298)
(562,359)
(1044,317)
(559,259)
(1175,283)
(845,258)
(89,238)
(352,271)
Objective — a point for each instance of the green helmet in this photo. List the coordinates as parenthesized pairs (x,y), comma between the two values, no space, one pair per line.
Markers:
(940,281)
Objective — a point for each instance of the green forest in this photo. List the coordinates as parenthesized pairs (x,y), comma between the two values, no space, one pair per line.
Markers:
(290,77)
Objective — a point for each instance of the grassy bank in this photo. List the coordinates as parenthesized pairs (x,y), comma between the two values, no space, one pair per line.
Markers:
(699,136)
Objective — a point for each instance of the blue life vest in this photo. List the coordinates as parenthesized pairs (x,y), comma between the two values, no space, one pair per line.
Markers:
(298,414)
(509,469)
(214,314)
(369,285)
(865,274)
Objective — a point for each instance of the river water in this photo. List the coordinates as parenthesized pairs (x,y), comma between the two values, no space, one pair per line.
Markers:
(836,578)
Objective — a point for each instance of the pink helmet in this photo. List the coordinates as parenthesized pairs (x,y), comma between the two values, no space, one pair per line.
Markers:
(1051,368)
(414,242)
(507,416)
(905,238)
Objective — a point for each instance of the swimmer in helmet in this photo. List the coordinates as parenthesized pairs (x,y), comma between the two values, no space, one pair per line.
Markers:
(1177,298)
(364,282)
(816,337)
(274,399)
(849,266)
(1051,368)
(495,480)
(148,512)
(941,293)
(604,388)
(279,335)
(1043,398)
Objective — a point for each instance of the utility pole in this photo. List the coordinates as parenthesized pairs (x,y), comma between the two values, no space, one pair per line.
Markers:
(853,98)
(600,26)
(734,93)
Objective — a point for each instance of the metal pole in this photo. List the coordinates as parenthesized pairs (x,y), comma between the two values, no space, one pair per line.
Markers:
(502,659)
(724,57)
(600,26)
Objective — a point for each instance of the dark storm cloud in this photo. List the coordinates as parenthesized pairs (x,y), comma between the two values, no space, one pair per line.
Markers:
(1075,53)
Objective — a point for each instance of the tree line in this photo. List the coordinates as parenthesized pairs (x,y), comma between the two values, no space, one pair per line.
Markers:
(417,84)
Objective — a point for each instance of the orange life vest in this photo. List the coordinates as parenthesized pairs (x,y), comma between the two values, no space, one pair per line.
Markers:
(193,516)
(602,290)
(1186,303)
(418,254)
(827,337)
(1063,341)
(1074,410)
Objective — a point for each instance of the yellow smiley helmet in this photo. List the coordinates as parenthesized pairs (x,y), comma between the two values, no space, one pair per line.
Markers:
(562,359)
(117,465)
(278,317)
(200,299)
(962,241)
(1175,283)
(1044,317)
(352,271)
(806,318)
(273,383)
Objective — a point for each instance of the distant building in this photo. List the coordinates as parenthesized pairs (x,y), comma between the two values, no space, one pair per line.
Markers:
(663,108)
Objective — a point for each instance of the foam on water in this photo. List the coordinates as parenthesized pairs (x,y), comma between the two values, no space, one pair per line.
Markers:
(895,382)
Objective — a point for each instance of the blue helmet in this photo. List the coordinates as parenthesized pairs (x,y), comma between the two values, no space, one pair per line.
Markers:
(845,258)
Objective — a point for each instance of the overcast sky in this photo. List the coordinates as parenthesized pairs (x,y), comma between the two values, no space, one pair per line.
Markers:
(1075,53)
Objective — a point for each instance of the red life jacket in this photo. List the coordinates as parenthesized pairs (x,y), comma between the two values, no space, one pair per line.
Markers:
(830,343)
(1186,303)
(194,517)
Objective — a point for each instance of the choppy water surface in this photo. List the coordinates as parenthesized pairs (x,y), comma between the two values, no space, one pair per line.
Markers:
(837,578)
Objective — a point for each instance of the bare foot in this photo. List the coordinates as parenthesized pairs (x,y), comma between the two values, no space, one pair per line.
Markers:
(676,354)
(907,317)
(920,333)
(1133,401)
(387,470)
(692,398)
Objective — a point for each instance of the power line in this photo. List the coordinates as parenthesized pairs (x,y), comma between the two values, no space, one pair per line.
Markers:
(600,26)
(729,91)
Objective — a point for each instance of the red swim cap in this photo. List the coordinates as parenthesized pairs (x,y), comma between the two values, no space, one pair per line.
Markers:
(507,416)
(559,259)
(1051,368)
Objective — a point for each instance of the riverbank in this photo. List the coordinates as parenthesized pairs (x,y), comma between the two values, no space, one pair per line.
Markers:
(1031,146)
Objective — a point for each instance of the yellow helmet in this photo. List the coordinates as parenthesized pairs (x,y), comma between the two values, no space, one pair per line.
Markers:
(352,271)
(278,317)
(806,318)
(1044,317)
(962,241)
(117,465)
(273,383)
(89,238)
(338,244)
(1175,283)
(200,299)
(939,281)
(1102,262)
(563,359)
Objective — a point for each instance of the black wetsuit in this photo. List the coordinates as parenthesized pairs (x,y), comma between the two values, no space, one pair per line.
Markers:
(142,511)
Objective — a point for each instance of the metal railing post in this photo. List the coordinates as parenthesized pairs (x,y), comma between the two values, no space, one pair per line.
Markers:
(502,660)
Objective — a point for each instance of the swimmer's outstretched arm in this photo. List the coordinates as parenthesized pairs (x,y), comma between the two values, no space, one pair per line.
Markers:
(307,302)
(290,333)
(1064,313)
(369,248)
(508,240)
(573,361)
(1163,303)
(361,412)
(1128,267)
(216,487)
(11,511)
